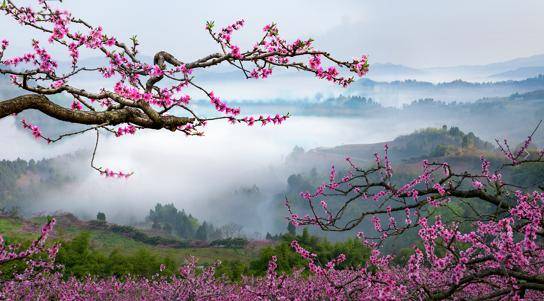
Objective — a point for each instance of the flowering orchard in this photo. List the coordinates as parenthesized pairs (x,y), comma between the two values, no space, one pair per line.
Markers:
(144,96)
(499,258)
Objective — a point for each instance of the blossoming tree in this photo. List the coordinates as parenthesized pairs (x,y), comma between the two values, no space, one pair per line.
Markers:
(145,95)
(499,256)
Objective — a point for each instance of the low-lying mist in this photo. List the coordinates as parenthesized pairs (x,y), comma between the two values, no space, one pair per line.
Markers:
(234,173)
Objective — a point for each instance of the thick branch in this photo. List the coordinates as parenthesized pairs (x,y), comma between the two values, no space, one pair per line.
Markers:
(114,117)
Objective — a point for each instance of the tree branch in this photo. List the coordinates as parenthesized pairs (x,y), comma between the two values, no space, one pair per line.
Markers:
(125,115)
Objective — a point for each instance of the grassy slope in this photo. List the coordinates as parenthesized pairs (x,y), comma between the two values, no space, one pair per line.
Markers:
(18,230)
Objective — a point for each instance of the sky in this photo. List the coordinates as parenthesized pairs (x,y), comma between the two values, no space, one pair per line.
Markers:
(417,33)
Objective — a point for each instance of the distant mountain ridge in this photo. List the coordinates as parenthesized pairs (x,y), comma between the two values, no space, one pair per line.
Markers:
(390,72)
(523,72)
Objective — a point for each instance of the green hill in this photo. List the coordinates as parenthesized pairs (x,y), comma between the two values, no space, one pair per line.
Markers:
(105,238)
(424,143)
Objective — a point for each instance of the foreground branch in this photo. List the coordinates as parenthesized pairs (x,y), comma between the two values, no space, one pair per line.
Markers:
(124,115)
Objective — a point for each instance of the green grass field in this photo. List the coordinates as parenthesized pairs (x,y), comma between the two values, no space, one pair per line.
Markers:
(19,230)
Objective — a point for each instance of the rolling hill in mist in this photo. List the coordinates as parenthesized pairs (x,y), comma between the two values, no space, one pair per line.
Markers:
(399,93)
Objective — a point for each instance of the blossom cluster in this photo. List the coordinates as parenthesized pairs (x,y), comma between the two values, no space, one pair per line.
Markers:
(264,120)
(12,252)
(124,130)
(108,173)
(36,131)
(221,106)
(276,51)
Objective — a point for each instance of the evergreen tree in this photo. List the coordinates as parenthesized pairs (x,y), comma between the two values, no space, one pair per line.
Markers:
(202,232)
(101,216)
(291,229)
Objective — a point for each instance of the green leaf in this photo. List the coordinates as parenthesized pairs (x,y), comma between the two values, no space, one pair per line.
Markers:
(210,24)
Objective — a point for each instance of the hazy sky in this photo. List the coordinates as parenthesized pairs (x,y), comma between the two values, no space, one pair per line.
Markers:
(416,33)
